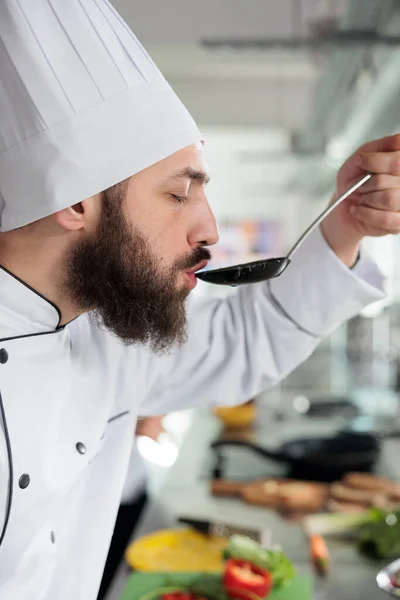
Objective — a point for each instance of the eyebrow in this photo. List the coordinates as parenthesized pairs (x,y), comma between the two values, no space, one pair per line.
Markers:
(188,173)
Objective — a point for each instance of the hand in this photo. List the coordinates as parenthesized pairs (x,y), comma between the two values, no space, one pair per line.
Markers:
(151,427)
(374,209)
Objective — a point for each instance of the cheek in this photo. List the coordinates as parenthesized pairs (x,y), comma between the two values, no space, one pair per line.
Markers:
(165,228)
(170,243)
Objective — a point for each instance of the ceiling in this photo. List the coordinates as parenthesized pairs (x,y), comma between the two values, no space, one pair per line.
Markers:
(323,101)
(224,87)
(189,22)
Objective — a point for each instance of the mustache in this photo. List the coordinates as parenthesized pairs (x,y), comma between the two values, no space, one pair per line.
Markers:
(197,256)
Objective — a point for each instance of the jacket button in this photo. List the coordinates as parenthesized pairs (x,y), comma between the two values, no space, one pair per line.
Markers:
(81,448)
(53,537)
(3,356)
(24,481)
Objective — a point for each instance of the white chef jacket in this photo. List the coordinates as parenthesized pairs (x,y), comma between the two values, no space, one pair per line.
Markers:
(70,396)
(136,476)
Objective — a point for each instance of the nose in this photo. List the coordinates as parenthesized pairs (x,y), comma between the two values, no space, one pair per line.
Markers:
(205,229)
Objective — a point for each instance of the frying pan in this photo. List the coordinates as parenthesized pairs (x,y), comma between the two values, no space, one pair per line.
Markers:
(320,458)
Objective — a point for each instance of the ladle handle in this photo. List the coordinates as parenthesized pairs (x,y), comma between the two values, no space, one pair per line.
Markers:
(326,212)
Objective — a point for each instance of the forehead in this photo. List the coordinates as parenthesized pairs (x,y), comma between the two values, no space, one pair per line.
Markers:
(186,164)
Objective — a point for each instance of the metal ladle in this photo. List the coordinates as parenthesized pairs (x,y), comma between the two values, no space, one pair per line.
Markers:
(261,270)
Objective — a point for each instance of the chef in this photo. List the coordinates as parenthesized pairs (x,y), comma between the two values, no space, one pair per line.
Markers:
(104,220)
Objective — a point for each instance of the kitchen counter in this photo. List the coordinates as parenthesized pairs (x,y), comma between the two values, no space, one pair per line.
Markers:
(185,493)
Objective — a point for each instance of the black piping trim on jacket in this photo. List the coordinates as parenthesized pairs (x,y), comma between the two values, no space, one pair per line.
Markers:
(279,306)
(11,469)
(114,418)
(126,412)
(28,335)
(35,292)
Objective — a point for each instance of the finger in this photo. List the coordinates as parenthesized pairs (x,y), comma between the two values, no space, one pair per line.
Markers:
(386,144)
(389,222)
(387,200)
(352,168)
(378,183)
(381,162)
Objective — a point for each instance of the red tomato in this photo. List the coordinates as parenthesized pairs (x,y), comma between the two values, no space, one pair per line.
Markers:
(176,596)
(242,579)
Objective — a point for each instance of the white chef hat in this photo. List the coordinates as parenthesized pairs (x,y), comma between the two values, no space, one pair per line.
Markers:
(82,106)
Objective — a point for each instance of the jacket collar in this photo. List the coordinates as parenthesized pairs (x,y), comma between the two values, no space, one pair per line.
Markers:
(23,310)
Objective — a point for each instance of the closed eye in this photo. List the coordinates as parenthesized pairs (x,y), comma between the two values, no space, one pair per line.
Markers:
(179,199)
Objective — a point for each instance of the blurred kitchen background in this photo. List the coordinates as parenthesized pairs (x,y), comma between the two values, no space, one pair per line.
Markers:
(284,91)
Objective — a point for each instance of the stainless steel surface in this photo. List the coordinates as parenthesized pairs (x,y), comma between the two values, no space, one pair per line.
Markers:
(327,212)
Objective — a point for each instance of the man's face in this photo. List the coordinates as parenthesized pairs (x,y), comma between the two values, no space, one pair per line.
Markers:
(136,270)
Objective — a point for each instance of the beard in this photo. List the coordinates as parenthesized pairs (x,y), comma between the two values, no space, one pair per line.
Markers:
(115,274)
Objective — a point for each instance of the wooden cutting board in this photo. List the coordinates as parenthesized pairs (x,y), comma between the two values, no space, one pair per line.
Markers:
(282,494)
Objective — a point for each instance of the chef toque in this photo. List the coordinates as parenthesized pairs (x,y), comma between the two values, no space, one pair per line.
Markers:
(82,106)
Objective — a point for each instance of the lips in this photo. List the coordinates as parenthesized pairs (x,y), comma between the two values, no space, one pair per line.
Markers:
(198,267)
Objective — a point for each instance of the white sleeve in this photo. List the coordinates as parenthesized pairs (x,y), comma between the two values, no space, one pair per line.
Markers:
(248,342)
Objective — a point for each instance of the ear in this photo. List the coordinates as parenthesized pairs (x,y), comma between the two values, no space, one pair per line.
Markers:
(82,215)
